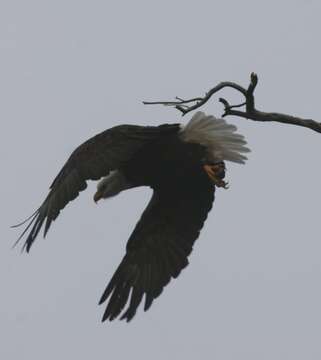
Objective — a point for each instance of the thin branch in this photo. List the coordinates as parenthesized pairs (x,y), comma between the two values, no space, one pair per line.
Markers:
(199,101)
(250,111)
(231,106)
(172,103)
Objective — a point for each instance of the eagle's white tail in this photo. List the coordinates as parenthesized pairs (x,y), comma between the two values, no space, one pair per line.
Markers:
(220,138)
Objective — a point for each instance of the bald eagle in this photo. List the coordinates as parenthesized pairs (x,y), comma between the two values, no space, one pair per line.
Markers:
(182,164)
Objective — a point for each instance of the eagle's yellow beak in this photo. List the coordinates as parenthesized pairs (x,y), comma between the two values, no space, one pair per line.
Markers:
(98,195)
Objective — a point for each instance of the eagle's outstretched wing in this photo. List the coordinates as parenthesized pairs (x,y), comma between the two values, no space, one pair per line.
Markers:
(159,246)
(92,160)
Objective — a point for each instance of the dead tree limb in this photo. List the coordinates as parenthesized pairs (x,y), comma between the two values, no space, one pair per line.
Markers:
(250,111)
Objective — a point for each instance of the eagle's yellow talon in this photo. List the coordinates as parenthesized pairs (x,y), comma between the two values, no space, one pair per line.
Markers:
(216,173)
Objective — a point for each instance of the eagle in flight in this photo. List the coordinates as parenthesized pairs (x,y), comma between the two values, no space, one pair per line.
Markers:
(182,164)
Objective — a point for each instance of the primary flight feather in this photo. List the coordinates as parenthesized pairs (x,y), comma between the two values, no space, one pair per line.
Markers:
(182,164)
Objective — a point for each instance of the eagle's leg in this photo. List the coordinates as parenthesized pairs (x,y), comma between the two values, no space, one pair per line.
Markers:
(216,173)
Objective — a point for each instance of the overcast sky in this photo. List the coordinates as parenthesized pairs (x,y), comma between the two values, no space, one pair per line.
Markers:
(70,69)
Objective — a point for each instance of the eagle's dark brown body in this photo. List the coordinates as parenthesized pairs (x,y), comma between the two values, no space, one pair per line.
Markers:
(165,162)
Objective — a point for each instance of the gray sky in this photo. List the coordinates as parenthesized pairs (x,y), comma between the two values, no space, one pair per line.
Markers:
(70,69)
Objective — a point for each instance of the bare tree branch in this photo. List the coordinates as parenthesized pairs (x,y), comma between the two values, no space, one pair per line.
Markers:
(199,101)
(250,111)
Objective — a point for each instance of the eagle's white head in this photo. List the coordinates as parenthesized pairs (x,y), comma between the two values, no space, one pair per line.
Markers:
(111,185)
